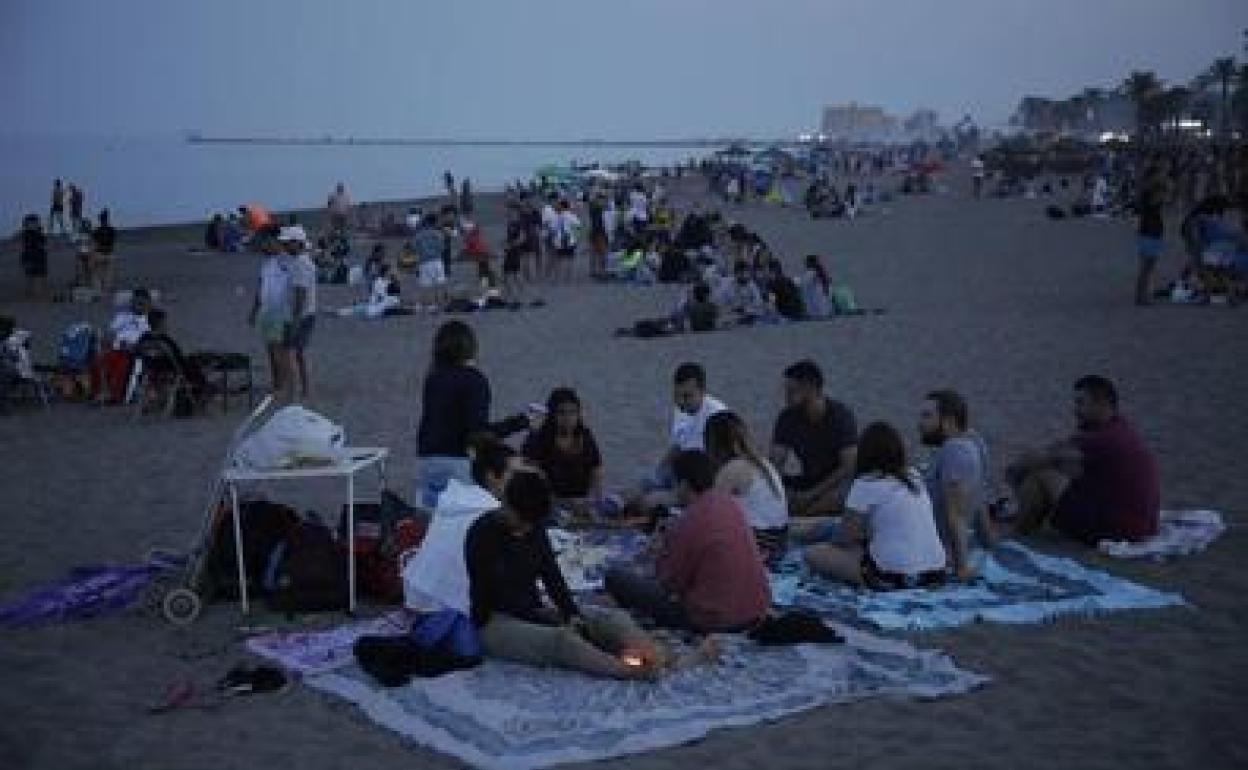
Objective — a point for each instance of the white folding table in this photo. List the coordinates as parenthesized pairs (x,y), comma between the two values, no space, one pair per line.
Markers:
(356,460)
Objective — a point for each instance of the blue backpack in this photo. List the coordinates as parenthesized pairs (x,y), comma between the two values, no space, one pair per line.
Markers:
(448,629)
(77,348)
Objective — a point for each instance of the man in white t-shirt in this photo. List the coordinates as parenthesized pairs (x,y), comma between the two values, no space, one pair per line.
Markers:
(303,295)
(567,229)
(550,225)
(130,323)
(638,208)
(693,407)
(272,308)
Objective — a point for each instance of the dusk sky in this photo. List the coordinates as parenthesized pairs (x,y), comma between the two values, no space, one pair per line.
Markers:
(562,69)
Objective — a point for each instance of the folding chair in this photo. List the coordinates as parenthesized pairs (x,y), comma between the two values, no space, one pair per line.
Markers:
(159,378)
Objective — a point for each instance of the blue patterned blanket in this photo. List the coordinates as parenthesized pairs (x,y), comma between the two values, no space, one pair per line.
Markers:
(1016,585)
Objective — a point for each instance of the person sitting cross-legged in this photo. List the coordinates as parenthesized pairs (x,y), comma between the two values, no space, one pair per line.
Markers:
(709,575)
(820,434)
(741,471)
(508,553)
(1101,483)
(888,538)
(564,449)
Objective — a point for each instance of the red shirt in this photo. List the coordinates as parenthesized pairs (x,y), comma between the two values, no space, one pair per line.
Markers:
(1118,495)
(711,563)
(474,244)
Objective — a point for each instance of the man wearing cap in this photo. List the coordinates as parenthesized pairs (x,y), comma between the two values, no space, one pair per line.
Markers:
(303,315)
(272,308)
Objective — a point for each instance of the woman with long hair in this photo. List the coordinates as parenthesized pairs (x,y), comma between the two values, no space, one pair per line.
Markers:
(455,409)
(889,538)
(816,288)
(565,450)
(741,471)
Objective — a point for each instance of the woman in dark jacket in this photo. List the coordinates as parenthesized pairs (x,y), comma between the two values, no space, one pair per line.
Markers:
(455,410)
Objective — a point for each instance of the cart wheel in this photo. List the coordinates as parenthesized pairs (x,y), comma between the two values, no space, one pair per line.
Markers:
(181,606)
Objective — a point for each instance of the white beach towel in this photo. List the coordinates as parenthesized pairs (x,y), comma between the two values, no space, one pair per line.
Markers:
(1181,533)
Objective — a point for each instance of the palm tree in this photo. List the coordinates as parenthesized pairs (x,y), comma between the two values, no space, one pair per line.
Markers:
(1142,86)
(1222,72)
(1239,102)
(1172,103)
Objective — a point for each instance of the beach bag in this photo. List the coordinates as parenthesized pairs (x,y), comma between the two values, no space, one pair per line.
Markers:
(794,627)
(264,526)
(77,347)
(307,572)
(394,660)
(293,436)
(385,532)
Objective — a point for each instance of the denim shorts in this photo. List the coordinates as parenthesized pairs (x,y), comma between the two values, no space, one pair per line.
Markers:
(1148,246)
(274,327)
(434,472)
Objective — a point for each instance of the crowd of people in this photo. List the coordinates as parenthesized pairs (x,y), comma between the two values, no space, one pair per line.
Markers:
(852,504)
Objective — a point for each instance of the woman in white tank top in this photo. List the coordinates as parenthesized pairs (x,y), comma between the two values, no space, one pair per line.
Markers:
(742,472)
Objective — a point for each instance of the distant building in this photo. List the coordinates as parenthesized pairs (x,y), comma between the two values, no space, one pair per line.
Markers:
(923,124)
(857,122)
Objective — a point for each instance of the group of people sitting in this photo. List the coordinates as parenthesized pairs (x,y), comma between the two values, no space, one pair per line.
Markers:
(758,294)
(853,506)
(1217,254)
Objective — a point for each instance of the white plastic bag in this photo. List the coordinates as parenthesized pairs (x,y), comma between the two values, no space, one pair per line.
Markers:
(293,436)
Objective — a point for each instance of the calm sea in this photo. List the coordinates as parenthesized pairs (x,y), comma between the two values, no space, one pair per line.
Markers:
(148,180)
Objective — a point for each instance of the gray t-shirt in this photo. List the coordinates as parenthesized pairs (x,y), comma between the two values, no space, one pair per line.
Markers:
(962,459)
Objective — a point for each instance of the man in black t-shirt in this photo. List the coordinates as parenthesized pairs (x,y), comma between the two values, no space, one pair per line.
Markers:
(822,435)
(1151,232)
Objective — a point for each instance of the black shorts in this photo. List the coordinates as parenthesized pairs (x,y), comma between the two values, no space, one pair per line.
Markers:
(298,333)
(875,578)
(511,262)
(566,253)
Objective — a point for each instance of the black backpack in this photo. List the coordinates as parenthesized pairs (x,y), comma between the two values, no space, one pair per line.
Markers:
(264,526)
(308,570)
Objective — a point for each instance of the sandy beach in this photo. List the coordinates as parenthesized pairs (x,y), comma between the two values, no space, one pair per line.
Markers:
(988,296)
